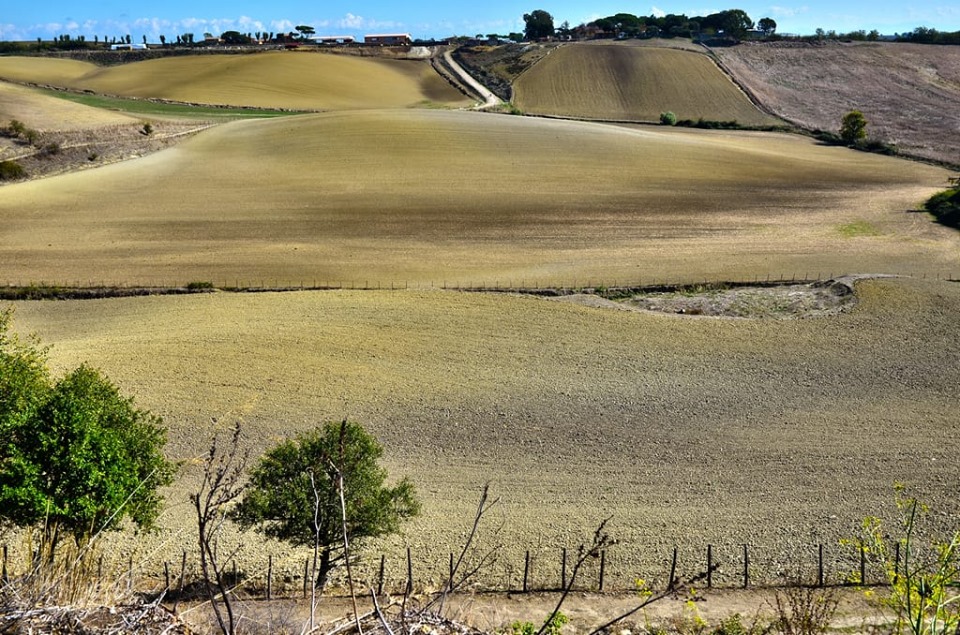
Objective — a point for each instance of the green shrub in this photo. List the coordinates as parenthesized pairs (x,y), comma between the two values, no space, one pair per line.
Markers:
(199,285)
(11,171)
(147,129)
(945,207)
(668,118)
(853,127)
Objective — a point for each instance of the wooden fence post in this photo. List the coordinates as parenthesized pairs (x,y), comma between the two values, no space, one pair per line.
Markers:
(383,564)
(5,578)
(673,569)
(451,571)
(270,577)
(820,566)
(526,571)
(409,572)
(306,576)
(603,566)
(896,562)
(563,570)
(746,567)
(709,566)
(863,564)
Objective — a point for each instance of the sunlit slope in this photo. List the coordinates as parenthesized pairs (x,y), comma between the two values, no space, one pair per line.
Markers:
(45,112)
(425,196)
(619,82)
(267,80)
(729,431)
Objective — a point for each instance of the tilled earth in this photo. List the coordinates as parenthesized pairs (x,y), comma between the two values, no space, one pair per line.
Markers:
(778,434)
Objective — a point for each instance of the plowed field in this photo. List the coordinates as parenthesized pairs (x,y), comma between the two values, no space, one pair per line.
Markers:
(908,92)
(619,82)
(268,80)
(421,196)
(778,433)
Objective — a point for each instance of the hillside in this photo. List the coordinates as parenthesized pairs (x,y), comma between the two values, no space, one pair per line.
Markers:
(689,431)
(908,92)
(622,82)
(427,196)
(306,81)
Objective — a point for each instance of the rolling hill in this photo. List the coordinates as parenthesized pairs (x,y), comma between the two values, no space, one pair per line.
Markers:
(427,196)
(616,81)
(908,92)
(293,80)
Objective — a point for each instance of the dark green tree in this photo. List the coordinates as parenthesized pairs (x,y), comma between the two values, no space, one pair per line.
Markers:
(767,25)
(853,127)
(76,457)
(294,496)
(539,24)
(305,31)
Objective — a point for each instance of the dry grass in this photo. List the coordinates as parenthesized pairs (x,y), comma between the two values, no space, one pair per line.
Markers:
(781,434)
(431,196)
(908,92)
(267,80)
(623,82)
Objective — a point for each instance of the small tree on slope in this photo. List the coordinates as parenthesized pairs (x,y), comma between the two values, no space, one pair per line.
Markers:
(293,493)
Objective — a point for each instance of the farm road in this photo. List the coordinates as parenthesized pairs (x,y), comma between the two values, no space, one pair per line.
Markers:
(489,99)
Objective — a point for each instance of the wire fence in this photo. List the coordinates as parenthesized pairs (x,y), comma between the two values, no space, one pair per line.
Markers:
(15,290)
(729,566)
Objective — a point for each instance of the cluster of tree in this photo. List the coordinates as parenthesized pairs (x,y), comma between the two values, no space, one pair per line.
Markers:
(734,23)
(77,458)
(859,36)
(925,35)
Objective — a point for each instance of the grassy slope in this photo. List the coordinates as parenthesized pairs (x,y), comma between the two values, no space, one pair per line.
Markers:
(908,92)
(427,196)
(42,111)
(268,80)
(781,434)
(620,82)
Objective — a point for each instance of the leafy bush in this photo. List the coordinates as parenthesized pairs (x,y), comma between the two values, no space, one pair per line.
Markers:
(945,207)
(924,579)
(199,285)
(853,127)
(147,129)
(11,170)
(668,118)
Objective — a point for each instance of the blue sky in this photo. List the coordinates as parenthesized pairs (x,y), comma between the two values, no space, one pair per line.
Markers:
(430,18)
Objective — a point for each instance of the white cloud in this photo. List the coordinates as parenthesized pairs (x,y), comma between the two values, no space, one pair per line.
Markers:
(657,12)
(281,26)
(787,12)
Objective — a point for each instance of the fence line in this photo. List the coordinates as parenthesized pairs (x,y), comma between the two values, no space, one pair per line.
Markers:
(102,288)
(545,570)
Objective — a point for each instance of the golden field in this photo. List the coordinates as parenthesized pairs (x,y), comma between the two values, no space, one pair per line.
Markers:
(687,430)
(634,83)
(777,433)
(425,197)
(300,81)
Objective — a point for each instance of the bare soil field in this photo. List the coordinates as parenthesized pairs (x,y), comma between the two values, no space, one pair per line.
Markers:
(266,80)
(687,430)
(635,83)
(426,197)
(908,92)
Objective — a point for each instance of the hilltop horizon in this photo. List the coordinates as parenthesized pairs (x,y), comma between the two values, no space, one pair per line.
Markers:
(428,20)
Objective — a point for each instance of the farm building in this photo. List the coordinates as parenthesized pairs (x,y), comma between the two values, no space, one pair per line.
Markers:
(389,38)
(128,47)
(334,39)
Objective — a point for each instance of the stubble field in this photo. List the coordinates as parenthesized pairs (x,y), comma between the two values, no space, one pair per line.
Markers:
(908,92)
(300,81)
(426,197)
(633,83)
(777,433)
